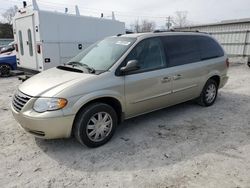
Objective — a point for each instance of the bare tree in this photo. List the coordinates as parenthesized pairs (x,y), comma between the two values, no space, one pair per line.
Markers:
(180,19)
(143,26)
(9,14)
(147,26)
(137,26)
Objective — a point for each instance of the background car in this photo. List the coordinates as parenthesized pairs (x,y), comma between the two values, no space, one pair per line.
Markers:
(8,48)
(7,60)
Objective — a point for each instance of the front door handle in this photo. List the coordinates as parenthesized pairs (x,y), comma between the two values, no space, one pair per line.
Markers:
(166,79)
(177,77)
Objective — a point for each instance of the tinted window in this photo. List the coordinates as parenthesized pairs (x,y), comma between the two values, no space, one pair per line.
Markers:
(30,43)
(20,41)
(149,53)
(181,50)
(209,48)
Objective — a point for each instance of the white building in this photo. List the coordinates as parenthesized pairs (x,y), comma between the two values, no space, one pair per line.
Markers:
(234,36)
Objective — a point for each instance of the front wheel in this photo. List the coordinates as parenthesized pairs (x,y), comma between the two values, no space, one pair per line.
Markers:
(95,124)
(5,70)
(209,93)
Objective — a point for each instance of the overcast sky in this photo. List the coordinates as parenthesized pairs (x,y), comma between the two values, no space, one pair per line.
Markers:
(199,11)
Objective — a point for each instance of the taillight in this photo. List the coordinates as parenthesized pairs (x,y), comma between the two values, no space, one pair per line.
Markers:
(227,63)
(38,48)
(16,47)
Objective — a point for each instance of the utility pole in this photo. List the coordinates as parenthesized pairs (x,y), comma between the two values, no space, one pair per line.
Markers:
(168,24)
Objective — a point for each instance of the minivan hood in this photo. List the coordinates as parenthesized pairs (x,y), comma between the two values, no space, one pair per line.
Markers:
(51,82)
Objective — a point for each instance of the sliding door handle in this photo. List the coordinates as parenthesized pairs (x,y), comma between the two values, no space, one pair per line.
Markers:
(166,79)
(177,77)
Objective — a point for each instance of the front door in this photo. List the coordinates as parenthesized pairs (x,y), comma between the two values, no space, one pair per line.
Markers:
(148,88)
(26,42)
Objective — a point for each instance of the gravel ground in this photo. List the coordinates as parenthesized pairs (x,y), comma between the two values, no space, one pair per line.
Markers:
(181,146)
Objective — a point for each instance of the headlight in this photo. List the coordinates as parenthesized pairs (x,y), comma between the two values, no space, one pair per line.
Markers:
(49,104)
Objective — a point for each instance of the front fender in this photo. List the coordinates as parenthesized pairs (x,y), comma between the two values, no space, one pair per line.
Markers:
(97,95)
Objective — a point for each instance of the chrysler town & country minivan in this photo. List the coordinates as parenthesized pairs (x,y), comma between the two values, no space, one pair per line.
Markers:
(119,78)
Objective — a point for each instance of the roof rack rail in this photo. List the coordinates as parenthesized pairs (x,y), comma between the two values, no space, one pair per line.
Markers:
(176,30)
(192,31)
(161,31)
(129,32)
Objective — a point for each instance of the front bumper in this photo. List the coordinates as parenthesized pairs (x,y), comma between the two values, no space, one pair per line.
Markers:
(45,127)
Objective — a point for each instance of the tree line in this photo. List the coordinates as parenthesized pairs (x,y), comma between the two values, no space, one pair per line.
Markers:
(6,29)
(179,20)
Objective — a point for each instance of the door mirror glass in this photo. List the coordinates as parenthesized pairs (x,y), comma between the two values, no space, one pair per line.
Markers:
(132,65)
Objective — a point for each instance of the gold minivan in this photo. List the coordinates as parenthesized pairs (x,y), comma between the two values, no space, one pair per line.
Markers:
(119,78)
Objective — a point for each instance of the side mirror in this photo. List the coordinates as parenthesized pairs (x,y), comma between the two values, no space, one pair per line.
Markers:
(132,65)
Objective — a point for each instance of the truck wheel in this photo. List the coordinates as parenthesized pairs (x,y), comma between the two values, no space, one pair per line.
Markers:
(208,94)
(95,124)
(248,63)
(5,70)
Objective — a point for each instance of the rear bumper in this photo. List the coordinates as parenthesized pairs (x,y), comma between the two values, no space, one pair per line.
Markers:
(223,81)
(47,128)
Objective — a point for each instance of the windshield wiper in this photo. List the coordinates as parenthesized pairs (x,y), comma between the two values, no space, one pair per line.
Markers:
(76,64)
(90,69)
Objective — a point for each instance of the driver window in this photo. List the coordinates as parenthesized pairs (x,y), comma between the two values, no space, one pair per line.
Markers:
(149,53)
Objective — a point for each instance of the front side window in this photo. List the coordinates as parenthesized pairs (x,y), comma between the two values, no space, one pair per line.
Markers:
(181,50)
(30,42)
(20,41)
(149,53)
(102,55)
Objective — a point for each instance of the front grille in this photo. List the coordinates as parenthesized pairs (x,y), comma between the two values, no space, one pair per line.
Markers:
(19,100)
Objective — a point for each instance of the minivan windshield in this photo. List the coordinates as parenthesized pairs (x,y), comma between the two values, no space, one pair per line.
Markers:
(102,55)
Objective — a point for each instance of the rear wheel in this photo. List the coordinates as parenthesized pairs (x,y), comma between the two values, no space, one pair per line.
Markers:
(209,93)
(95,124)
(5,70)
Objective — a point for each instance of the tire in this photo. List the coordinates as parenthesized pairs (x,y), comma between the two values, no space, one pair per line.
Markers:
(5,70)
(208,94)
(248,63)
(88,124)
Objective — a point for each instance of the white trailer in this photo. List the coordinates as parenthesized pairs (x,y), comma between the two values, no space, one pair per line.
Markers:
(46,39)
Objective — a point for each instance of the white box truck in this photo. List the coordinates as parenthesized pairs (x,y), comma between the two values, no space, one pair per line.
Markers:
(46,39)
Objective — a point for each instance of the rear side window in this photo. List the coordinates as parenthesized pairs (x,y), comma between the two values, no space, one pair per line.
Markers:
(20,41)
(181,50)
(209,48)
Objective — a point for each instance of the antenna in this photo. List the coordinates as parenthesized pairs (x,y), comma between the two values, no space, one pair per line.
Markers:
(77,10)
(113,15)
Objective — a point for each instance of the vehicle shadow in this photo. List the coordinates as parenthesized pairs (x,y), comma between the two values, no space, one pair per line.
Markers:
(162,138)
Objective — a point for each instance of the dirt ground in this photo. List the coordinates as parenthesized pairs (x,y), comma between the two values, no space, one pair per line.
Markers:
(181,146)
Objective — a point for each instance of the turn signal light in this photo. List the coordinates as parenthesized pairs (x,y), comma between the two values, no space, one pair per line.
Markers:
(16,47)
(38,48)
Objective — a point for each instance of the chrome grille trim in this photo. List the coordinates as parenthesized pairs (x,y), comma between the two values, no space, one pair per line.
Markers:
(19,100)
